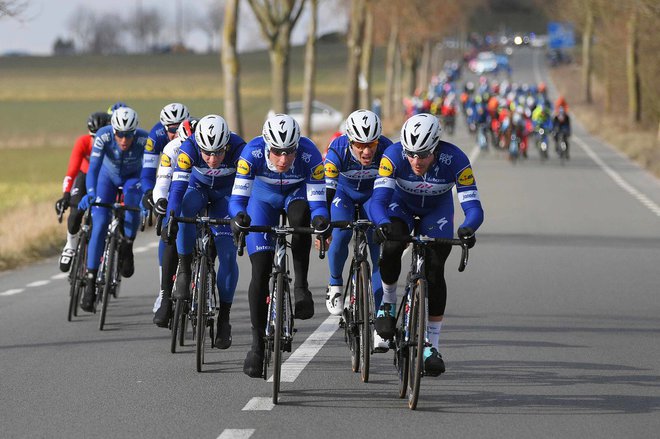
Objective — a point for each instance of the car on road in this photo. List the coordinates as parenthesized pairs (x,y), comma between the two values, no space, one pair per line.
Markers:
(484,62)
(324,117)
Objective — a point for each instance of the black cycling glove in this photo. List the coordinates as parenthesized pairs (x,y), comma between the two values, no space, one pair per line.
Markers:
(466,234)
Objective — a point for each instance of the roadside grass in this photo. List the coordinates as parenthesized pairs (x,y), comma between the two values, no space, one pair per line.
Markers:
(640,144)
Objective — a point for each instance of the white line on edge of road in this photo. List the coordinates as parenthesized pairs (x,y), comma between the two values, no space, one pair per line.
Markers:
(236,433)
(38,283)
(259,403)
(59,276)
(12,292)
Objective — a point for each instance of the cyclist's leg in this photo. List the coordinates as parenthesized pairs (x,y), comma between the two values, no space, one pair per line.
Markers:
(341,210)
(132,198)
(168,270)
(299,215)
(73,222)
(374,252)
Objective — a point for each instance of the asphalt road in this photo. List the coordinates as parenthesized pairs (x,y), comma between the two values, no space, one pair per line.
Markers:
(551,332)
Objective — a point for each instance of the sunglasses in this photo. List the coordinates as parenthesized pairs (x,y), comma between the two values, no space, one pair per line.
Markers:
(127,134)
(420,155)
(361,146)
(281,152)
(214,153)
(172,129)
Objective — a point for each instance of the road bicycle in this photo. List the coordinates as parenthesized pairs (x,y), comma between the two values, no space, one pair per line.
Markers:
(200,310)
(279,323)
(108,279)
(411,335)
(358,316)
(77,277)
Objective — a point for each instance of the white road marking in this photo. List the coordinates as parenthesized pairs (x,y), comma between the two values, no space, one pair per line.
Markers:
(12,292)
(38,283)
(304,354)
(153,244)
(262,403)
(236,433)
(60,276)
(140,250)
(646,201)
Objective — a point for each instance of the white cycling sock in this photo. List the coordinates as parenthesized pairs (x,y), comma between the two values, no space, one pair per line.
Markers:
(389,293)
(71,241)
(433,328)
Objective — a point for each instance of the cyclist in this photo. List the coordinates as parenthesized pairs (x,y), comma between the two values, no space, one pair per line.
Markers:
(351,166)
(73,186)
(169,259)
(416,178)
(204,176)
(561,124)
(116,161)
(278,170)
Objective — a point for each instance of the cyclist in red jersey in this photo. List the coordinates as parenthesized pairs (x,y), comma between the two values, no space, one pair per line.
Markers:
(73,186)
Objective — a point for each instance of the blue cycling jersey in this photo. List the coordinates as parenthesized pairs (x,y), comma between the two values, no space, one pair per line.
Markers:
(344,171)
(152,150)
(257,178)
(421,195)
(190,163)
(118,164)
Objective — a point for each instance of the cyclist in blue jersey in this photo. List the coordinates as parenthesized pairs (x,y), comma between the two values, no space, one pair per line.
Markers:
(351,166)
(204,176)
(116,161)
(416,177)
(277,170)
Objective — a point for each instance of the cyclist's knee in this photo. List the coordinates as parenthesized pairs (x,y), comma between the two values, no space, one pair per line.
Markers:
(298,213)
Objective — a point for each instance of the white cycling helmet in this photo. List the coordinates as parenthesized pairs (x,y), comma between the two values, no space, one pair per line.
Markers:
(212,133)
(186,128)
(363,126)
(281,132)
(420,133)
(124,119)
(173,114)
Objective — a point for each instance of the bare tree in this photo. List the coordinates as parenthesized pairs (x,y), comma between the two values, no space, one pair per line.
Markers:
(106,35)
(82,24)
(211,22)
(277,19)
(231,67)
(354,44)
(153,25)
(310,69)
(13,8)
(142,25)
(366,56)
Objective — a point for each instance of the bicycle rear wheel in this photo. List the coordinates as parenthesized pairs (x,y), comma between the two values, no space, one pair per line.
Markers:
(202,287)
(364,299)
(176,323)
(110,262)
(417,341)
(77,277)
(277,336)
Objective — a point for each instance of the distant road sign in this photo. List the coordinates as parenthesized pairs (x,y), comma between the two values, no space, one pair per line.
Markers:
(560,35)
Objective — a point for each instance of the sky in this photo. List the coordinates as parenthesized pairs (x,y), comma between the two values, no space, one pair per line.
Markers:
(46,20)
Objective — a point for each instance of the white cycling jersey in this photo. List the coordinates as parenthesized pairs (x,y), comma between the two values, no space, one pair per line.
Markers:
(166,168)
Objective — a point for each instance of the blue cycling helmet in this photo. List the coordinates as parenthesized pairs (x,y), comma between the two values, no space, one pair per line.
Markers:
(118,104)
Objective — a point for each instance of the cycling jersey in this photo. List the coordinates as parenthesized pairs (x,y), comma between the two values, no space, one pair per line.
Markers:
(154,147)
(399,192)
(78,161)
(166,169)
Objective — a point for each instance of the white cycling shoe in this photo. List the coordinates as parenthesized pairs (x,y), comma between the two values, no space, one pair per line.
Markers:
(380,344)
(333,300)
(158,300)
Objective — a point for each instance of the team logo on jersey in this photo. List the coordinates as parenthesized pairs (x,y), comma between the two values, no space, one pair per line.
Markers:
(466,178)
(165,161)
(318,173)
(184,162)
(331,170)
(243,167)
(386,168)
(149,147)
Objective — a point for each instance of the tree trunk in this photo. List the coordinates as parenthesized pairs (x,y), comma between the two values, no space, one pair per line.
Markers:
(392,43)
(231,68)
(354,43)
(425,68)
(587,66)
(310,70)
(398,82)
(632,68)
(367,55)
(411,64)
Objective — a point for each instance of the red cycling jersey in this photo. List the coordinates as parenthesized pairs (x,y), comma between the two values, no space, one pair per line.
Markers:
(79,160)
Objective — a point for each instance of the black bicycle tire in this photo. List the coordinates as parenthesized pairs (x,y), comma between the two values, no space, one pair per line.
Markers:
(277,335)
(353,316)
(416,353)
(401,353)
(200,324)
(109,277)
(75,281)
(176,324)
(365,318)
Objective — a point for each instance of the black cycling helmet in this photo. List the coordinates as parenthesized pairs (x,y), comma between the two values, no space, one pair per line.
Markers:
(97,120)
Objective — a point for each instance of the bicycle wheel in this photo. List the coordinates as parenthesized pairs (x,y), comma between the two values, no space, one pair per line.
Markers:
(416,351)
(365,299)
(176,324)
(277,336)
(401,352)
(110,268)
(353,317)
(202,288)
(76,278)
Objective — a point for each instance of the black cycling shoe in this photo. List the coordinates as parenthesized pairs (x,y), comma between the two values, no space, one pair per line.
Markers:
(126,258)
(223,335)
(433,364)
(385,322)
(89,296)
(163,313)
(253,366)
(304,307)
(181,289)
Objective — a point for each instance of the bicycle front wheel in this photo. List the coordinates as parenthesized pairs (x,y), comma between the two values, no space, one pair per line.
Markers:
(109,274)
(277,336)
(176,323)
(353,317)
(417,342)
(365,298)
(202,288)
(77,277)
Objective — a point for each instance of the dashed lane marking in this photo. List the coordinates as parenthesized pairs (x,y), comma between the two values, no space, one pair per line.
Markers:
(60,276)
(12,292)
(38,283)
(236,433)
(259,403)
